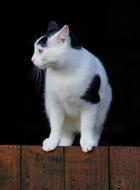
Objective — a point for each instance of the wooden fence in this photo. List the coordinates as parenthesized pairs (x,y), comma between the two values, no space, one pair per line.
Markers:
(105,168)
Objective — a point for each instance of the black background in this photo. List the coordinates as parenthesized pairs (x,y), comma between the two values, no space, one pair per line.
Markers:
(110,30)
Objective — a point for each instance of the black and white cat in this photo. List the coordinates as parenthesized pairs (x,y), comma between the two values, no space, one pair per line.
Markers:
(77,91)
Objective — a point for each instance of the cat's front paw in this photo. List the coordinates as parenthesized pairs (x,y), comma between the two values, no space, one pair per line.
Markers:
(87,144)
(49,145)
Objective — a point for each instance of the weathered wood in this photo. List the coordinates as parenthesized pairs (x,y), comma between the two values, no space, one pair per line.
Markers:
(69,168)
(125,168)
(86,171)
(41,170)
(9,167)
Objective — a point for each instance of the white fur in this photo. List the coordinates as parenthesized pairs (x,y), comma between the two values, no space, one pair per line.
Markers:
(69,73)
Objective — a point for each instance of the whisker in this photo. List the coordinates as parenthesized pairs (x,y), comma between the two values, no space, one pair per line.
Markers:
(40,79)
(36,75)
(31,74)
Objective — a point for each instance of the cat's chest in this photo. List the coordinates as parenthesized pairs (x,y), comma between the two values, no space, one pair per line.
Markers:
(66,88)
(66,92)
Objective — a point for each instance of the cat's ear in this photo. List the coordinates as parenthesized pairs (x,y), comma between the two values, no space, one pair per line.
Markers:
(52,25)
(63,34)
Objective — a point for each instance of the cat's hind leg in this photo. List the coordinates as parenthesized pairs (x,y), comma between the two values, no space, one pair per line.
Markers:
(67,138)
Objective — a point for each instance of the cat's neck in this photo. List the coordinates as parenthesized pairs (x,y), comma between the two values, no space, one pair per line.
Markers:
(70,62)
(74,62)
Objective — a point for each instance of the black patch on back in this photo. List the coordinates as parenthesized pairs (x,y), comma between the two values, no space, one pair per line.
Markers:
(52,29)
(74,41)
(92,93)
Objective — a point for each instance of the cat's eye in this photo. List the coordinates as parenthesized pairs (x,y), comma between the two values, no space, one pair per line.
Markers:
(40,51)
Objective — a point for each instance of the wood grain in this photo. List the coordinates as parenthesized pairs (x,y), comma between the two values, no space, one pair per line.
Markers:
(30,168)
(9,167)
(41,170)
(86,171)
(125,168)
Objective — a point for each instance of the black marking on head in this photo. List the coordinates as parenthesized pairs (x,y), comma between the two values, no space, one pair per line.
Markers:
(74,41)
(43,41)
(92,93)
(52,29)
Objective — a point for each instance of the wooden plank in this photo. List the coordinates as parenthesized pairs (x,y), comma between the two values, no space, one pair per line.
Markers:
(42,170)
(86,171)
(125,168)
(9,167)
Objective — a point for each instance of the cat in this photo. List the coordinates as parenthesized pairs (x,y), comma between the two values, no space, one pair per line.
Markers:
(77,92)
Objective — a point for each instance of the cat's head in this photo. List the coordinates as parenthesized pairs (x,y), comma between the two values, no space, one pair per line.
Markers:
(50,49)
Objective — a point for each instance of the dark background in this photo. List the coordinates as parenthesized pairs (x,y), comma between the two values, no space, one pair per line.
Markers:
(109,30)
